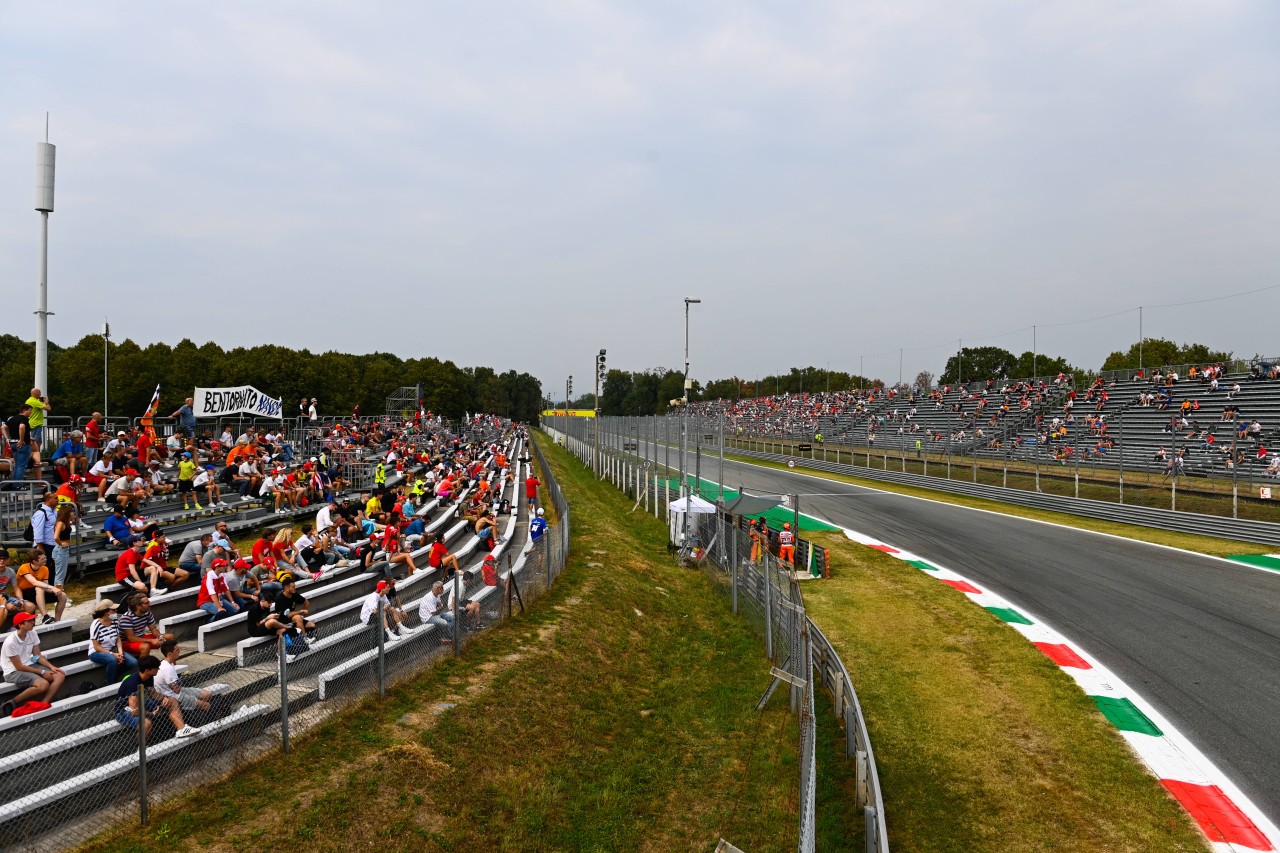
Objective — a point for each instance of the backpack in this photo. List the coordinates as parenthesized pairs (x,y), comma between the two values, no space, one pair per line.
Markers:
(29,533)
(295,643)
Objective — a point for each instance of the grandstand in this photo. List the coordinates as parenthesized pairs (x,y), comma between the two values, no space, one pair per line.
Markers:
(73,760)
(1126,420)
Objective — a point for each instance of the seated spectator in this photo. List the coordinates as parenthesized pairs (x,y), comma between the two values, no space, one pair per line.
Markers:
(104,641)
(432,610)
(487,532)
(392,618)
(128,490)
(133,575)
(170,688)
(154,481)
(396,554)
(215,597)
(138,628)
(71,457)
(192,558)
(129,715)
(35,588)
(12,601)
(440,557)
(315,551)
(292,608)
(206,481)
(470,608)
(262,619)
(23,663)
(157,555)
(241,589)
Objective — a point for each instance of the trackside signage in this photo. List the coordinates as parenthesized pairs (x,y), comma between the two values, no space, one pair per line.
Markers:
(213,402)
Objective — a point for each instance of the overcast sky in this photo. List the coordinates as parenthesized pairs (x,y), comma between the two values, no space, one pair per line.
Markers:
(519,185)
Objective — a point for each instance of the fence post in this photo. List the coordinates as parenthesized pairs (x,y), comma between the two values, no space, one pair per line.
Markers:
(382,651)
(142,754)
(284,694)
(544,547)
(872,830)
(768,610)
(733,566)
(457,627)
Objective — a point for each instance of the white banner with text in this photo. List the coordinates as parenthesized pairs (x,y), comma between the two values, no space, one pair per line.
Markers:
(215,402)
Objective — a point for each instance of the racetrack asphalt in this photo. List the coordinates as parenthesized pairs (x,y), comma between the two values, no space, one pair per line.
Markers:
(1198,637)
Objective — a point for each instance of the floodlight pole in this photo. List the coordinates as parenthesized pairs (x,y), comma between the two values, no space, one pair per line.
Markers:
(106,369)
(45,154)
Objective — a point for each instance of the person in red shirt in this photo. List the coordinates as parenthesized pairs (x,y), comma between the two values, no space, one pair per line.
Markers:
(144,447)
(132,575)
(440,557)
(262,549)
(93,437)
(157,555)
(531,489)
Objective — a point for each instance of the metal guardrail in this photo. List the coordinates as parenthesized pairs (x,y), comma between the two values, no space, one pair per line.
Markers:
(1266,533)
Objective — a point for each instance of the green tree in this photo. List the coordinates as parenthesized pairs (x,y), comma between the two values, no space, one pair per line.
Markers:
(978,363)
(1040,365)
(617,388)
(1159,352)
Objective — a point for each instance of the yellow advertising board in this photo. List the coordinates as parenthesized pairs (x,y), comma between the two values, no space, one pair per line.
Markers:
(573,413)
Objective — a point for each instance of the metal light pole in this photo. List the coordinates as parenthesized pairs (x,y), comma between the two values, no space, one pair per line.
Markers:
(599,381)
(684,437)
(44,204)
(106,369)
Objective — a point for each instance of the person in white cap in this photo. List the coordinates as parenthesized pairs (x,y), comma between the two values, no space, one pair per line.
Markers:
(537,528)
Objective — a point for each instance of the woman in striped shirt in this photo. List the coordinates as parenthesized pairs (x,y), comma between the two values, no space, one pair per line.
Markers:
(104,641)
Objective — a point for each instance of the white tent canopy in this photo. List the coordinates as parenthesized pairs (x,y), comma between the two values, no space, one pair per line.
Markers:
(695,505)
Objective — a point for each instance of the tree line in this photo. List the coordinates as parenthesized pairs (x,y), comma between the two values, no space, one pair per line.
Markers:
(338,380)
(653,391)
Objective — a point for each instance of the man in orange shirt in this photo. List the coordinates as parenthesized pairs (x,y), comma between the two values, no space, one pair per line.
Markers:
(787,544)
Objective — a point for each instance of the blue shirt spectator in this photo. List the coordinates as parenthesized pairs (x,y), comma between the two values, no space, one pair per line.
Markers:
(118,529)
(67,448)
